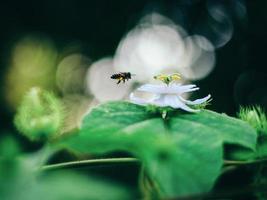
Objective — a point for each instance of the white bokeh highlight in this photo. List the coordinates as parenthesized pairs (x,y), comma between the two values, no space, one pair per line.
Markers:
(219,29)
(148,50)
(157,46)
(199,58)
(70,73)
(99,83)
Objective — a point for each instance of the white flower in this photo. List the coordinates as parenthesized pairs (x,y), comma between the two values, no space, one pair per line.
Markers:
(169,95)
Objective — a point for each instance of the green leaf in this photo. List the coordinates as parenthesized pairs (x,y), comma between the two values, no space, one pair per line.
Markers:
(259,153)
(180,166)
(101,128)
(183,155)
(222,127)
(19,179)
(262,150)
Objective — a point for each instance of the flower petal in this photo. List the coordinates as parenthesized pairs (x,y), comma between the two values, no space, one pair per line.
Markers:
(179,86)
(159,101)
(137,100)
(141,101)
(183,106)
(197,101)
(172,101)
(169,95)
(187,88)
(180,89)
(168,89)
(157,89)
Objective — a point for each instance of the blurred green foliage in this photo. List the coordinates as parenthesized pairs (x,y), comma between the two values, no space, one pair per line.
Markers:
(20,179)
(40,115)
(32,63)
(256,117)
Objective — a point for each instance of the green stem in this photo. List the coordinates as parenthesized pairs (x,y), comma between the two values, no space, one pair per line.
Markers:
(128,160)
(235,162)
(164,114)
(90,161)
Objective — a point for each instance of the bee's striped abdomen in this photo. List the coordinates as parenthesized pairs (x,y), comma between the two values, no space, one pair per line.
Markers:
(115,76)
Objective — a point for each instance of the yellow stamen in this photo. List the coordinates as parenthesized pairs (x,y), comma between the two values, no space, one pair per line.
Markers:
(175,76)
(168,78)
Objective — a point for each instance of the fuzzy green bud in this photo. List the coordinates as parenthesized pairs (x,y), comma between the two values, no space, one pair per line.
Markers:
(256,117)
(40,115)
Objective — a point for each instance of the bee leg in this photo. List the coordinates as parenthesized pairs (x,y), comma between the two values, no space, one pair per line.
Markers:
(118,81)
(123,80)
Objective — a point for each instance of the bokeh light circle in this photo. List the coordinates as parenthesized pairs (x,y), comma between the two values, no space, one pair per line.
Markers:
(101,85)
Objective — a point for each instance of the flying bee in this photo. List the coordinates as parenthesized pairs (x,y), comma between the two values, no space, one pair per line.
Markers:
(168,78)
(122,76)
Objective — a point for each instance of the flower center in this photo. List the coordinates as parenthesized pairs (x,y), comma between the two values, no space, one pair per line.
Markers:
(167,79)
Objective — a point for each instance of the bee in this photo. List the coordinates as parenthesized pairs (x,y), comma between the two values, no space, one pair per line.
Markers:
(122,76)
(168,78)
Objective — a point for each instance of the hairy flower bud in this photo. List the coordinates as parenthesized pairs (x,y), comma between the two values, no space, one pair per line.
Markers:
(256,117)
(40,115)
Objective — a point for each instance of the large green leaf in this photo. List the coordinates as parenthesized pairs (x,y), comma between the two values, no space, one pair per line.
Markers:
(183,155)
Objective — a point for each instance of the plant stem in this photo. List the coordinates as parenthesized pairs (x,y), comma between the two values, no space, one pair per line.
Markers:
(235,162)
(164,114)
(128,160)
(90,161)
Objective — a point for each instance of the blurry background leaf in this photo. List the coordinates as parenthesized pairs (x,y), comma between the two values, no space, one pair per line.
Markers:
(21,180)
(183,154)
(33,63)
